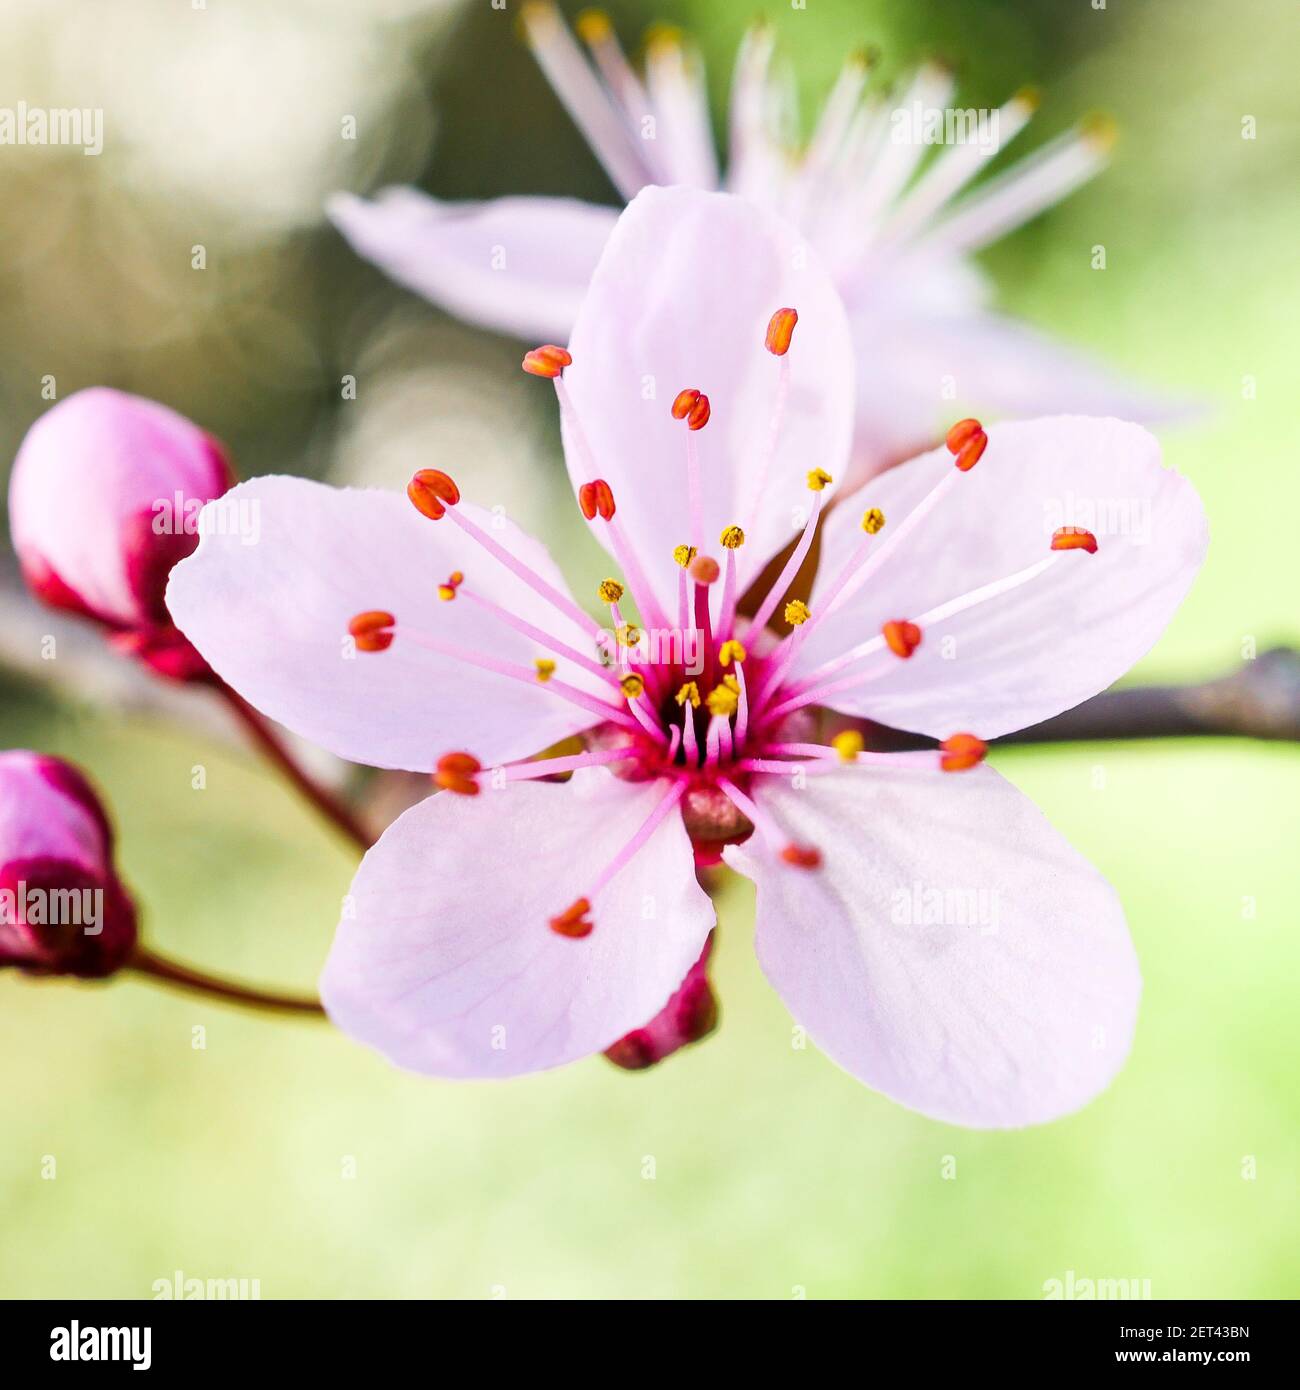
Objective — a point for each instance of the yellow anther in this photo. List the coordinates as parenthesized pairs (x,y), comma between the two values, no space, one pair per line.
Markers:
(732,538)
(663,36)
(593,26)
(1100,131)
(722,700)
(683,554)
(632,685)
(690,691)
(797,612)
(730,651)
(610,591)
(447,591)
(873,520)
(545,668)
(628,635)
(818,479)
(732,684)
(848,745)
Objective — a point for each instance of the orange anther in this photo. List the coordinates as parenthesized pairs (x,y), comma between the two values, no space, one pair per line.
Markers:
(431,492)
(966,441)
(962,751)
(596,500)
(780,329)
(802,856)
(683,403)
(902,637)
(547,360)
(573,921)
(699,416)
(372,631)
(447,591)
(458,772)
(1074,538)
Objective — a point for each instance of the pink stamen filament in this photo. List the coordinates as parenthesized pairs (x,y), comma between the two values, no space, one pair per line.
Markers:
(549,767)
(769,447)
(629,850)
(792,566)
(694,491)
(637,584)
(759,818)
(517,567)
(602,709)
(644,714)
(742,706)
(542,638)
(727,608)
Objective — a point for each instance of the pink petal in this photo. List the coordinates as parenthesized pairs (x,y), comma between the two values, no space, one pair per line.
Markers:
(1041,648)
(953,951)
(272,618)
(682,298)
(518,265)
(448,964)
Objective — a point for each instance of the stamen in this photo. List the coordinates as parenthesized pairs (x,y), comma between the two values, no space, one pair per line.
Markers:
(596,499)
(1074,538)
(731,650)
(797,612)
(632,685)
(798,856)
(372,631)
(795,562)
(602,709)
(447,591)
(848,744)
(742,704)
(780,330)
(536,634)
(552,767)
(966,442)
(690,691)
(573,921)
(704,571)
(580,92)
(732,539)
(432,492)
(873,521)
(722,700)
(901,637)
(777,419)
(547,360)
(818,479)
(693,407)
(609,590)
(960,752)
(458,772)
(688,697)
(545,669)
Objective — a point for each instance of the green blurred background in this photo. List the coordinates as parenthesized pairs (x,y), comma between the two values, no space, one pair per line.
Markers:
(774,1172)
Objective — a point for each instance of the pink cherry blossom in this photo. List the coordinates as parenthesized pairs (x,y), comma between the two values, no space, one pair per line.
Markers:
(104,499)
(63,909)
(514,922)
(896,233)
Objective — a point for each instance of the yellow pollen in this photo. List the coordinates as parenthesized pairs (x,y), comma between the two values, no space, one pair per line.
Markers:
(629,635)
(818,479)
(690,691)
(732,538)
(797,612)
(632,685)
(593,26)
(730,651)
(732,684)
(722,700)
(1100,131)
(873,520)
(545,668)
(683,554)
(663,36)
(610,590)
(848,745)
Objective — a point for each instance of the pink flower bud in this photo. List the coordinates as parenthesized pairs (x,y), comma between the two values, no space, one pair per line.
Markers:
(62,909)
(103,502)
(691,1014)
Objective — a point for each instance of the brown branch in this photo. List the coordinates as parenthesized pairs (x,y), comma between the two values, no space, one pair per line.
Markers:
(157,967)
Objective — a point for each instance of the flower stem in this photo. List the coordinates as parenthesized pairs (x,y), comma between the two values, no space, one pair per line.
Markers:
(147,962)
(325,801)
